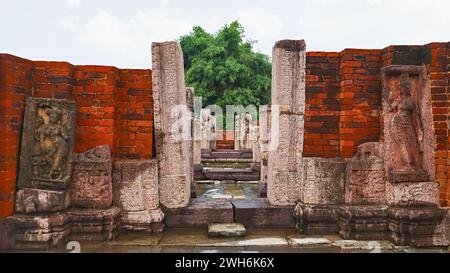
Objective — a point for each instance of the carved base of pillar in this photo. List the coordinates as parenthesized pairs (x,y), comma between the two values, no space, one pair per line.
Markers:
(41,201)
(417,227)
(43,231)
(317,219)
(46,231)
(7,235)
(363,222)
(151,221)
(413,194)
(95,224)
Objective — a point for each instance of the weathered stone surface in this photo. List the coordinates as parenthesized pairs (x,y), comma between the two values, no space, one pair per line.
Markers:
(322,181)
(417,227)
(244,131)
(47,144)
(365,181)
(256,144)
(30,201)
(287,122)
(200,213)
(94,224)
(285,162)
(7,235)
(172,125)
(228,174)
(92,179)
(151,221)
(135,185)
(41,231)
(208,130)
(413,194)
(317,219)
(409,141)
(308,242)
(258,213)
(136,193)
(264,135)
(226,230)
(363,222)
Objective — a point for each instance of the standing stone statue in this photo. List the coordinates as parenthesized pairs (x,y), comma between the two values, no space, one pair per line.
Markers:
(406,129)
(408,136)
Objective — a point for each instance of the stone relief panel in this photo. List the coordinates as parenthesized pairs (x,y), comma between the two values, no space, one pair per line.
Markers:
(323,181)
(408,133)
(92,179)
(365,180)
(47,144)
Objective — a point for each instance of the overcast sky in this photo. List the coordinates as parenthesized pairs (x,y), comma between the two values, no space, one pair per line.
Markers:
(119,33)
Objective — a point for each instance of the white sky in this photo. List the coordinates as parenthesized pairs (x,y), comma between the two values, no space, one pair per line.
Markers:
(119,33)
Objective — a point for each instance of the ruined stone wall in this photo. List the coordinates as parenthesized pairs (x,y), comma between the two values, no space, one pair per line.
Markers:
(114,107)
(343,101)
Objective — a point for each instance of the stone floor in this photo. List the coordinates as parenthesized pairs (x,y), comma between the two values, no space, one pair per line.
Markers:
(256,241)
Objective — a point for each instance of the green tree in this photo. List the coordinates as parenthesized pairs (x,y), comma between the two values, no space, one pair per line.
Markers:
(224,69)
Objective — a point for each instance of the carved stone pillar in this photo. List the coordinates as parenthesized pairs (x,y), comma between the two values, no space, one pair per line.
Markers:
(172,125)
(288,96)
(363,217)
(135,186)
(322,194)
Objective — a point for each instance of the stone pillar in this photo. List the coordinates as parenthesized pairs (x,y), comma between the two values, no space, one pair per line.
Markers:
(264,142)
(208,127)
(91,197)
(237,132)
(408,137)
(136,193)
(287,126)
(172,125)
(363,217)
(322,193)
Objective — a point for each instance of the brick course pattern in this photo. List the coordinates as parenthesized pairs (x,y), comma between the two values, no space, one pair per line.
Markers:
(114,107)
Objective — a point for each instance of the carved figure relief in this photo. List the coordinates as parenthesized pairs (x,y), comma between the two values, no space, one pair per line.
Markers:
(47,143)
(408,133)
(406,128)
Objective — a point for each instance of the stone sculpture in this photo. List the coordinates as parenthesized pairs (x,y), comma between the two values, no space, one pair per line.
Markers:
(47,143)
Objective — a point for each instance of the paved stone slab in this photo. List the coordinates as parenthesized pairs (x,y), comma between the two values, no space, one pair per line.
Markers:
(258,213)
(306,242)
(227,230)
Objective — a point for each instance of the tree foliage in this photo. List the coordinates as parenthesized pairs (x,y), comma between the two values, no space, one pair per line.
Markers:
(223,68)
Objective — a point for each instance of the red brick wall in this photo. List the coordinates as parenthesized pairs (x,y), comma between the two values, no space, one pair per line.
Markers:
(114,106)
(15,85)
(438,54)
(343,102)
(322,105)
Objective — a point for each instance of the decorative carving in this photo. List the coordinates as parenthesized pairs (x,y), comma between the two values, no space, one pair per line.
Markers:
(92,182)
(408,134)
(365,179)
(47,143)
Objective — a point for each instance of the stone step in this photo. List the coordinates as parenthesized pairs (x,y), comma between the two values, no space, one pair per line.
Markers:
(228,174)
(251,213)
(227,230)
(258,213)
(226,154)
(227,165)
(200,213)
